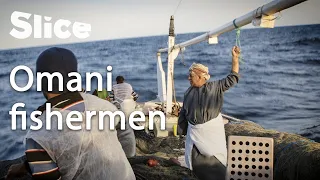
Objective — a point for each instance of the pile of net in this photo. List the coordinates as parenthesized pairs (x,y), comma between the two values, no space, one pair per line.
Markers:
(165,170)
(295,157)
(164,150)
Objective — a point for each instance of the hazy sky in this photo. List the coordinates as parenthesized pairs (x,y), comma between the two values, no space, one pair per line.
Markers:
(114,19)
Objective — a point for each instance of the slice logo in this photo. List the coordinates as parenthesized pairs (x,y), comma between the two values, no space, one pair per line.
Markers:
(44,28)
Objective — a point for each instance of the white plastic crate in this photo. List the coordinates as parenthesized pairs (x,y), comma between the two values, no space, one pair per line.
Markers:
(250,158)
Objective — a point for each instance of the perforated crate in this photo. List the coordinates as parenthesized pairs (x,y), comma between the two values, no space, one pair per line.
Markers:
(250,158)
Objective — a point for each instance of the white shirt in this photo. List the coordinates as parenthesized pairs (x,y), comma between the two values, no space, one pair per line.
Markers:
(122,91)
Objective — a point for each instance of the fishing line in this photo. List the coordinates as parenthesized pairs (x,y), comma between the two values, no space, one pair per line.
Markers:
(177,8)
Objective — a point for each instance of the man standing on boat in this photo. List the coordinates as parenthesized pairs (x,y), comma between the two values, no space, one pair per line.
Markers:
(200,119)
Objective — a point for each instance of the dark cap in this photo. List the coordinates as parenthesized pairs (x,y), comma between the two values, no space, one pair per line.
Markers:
(56,60)
(120,79)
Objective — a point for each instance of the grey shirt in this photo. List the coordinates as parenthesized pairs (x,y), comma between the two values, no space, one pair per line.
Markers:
(204,103)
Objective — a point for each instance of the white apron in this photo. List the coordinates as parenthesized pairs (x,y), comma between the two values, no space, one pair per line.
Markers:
(209,138)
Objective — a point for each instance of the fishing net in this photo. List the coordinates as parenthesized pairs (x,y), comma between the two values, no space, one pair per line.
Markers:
(148,147)
(295,157)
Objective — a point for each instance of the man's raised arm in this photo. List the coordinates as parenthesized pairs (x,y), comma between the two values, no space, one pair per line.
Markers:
(233,77)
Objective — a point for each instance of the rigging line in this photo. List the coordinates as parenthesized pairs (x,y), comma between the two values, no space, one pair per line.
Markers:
(174,93)
(238,43)
(172,48)
(182,57)
(177,8)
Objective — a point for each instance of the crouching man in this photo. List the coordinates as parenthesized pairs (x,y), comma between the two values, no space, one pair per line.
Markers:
(71,154)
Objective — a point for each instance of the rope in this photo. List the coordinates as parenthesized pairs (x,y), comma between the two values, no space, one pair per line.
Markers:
(170,53)
(173,89)
(234,23)
(261,12)
(238,43)
(177,8)
(238,38)
(174,92)
(182,57)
